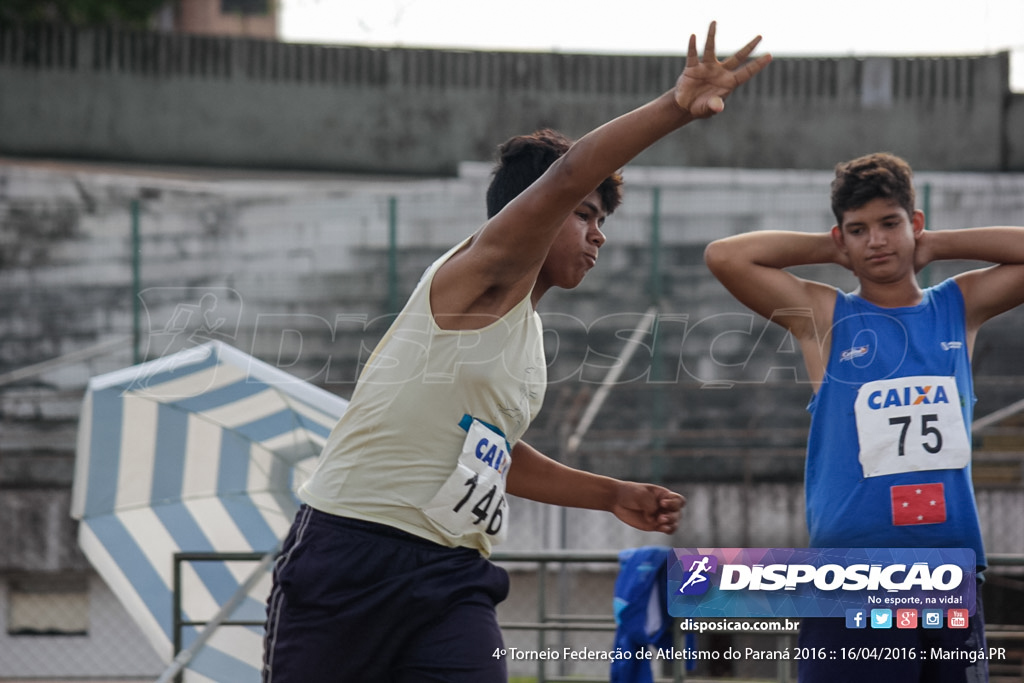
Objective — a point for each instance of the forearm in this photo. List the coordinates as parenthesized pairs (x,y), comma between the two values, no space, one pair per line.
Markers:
(537,477)
(997,244)
(519,237)
(699,92)
(609,147)
(771,249)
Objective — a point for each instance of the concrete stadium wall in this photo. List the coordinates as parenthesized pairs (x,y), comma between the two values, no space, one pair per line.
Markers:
(185,99)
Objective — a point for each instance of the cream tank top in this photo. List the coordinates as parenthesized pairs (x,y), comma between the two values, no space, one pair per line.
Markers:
(399,441)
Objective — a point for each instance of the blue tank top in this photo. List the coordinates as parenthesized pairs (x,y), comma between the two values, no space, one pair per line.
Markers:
(888,455)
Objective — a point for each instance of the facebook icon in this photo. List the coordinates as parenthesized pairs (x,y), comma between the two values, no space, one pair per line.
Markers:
(856,618)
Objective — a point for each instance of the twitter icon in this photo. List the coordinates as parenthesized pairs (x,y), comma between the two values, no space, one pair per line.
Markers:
(881,618)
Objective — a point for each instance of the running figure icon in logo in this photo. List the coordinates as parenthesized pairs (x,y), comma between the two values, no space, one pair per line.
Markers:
(696,582)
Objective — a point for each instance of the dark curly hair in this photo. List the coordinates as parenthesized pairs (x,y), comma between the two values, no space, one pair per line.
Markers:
(524,158)
(873,176)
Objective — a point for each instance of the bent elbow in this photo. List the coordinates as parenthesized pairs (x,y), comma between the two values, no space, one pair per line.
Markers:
(716,256)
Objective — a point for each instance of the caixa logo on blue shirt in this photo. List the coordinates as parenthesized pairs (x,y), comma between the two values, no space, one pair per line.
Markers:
(813,582)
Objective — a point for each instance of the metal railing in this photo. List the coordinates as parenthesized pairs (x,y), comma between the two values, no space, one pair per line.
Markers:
(182,656)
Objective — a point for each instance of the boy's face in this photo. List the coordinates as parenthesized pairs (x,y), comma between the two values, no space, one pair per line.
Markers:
(879,238)
(574,251)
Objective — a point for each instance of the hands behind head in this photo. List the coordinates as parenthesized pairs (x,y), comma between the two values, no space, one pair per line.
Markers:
(705,82)
(648,507)
(922,249)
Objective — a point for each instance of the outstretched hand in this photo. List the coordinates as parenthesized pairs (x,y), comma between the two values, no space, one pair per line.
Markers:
(648,507)
(705,82)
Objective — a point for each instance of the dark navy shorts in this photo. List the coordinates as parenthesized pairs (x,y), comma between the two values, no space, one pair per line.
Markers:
(893,664)
(358,602)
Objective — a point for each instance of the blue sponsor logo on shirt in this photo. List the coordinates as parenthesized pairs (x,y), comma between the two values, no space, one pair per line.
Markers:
(891,398)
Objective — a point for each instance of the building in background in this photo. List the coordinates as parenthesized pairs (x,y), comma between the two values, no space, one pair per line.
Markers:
(247,18)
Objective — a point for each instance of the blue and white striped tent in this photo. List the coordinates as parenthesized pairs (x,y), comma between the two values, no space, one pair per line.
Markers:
(199,451)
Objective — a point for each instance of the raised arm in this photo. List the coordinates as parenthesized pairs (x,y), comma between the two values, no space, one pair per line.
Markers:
(987,291)
(752,267)
(644,506)
(504,257)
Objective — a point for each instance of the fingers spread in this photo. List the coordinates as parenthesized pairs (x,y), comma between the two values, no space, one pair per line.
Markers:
(691,52)
(709,46)
(745,51)
(750,69)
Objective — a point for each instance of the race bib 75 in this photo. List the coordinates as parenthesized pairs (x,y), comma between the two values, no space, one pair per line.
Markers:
(911,424)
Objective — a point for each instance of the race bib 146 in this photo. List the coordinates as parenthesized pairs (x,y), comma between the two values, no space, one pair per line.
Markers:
(472,500)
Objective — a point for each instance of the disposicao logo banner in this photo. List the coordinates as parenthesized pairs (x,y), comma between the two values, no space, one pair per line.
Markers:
(817,582)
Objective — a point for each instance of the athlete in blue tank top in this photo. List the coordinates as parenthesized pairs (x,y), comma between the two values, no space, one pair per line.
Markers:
(906,375)
(888,456)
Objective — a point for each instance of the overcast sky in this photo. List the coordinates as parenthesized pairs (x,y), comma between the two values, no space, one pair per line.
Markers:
(789,27)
